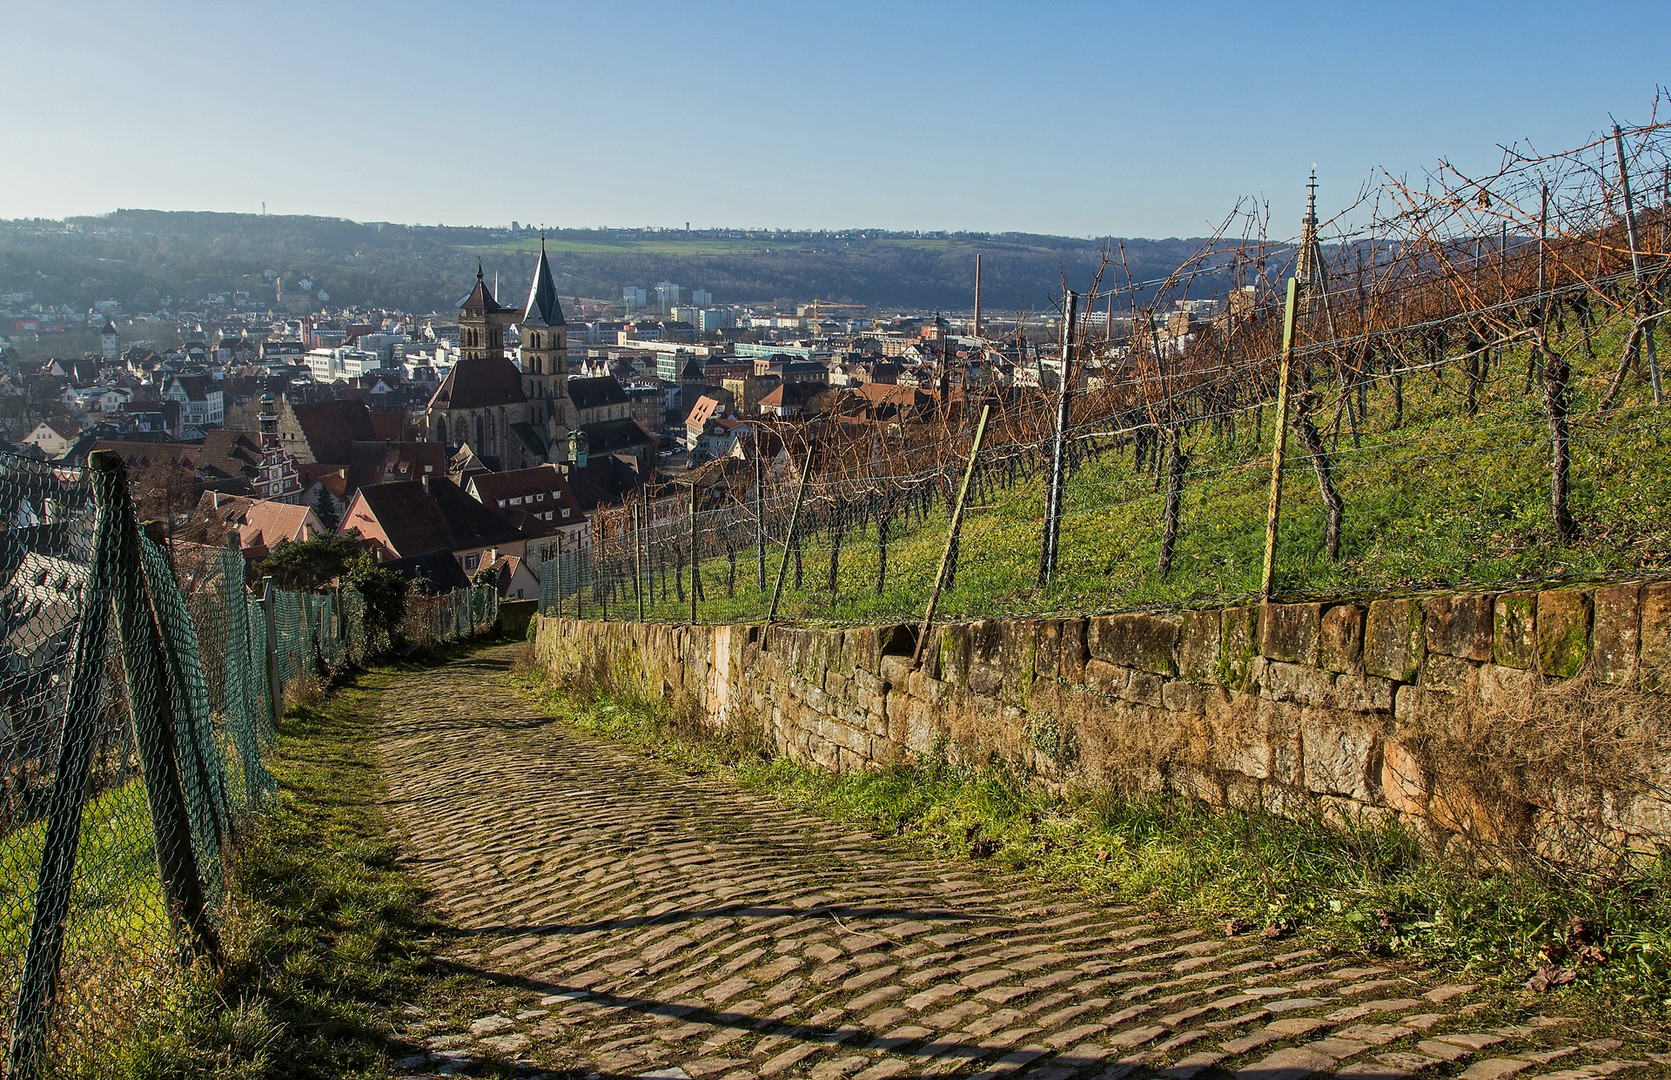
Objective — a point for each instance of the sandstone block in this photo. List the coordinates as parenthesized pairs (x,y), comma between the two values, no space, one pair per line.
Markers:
(861,648)
(985,678)
(895,669)
(1655,649)
(1339,758)
(1104,677)
(1296,682)
(1143,687)
(1513,630)
(1074,652)
(1341,647)
(1460,625)
(1280,723)
(1449,674)
(1616,634)
(954,654)
(1505,687)
(1403,782)
(1136,640)
(1238,645)
(1185,699)
(1047,648)
(1363,694)
(1291,632)
(1198,645)
(1563,631)
(986,642)
(1016,660)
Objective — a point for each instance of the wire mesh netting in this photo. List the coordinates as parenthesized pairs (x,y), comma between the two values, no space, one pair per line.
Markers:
(137,689)
(1474,398)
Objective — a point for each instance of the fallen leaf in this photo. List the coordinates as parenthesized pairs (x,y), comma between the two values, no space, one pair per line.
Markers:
(1550,975)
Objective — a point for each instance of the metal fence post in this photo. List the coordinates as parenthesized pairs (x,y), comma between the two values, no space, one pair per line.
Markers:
(1642,305)
(759,515)
(37,988)
(275,688)
(1279,446)
(951,536)
(695,556)
(153,701)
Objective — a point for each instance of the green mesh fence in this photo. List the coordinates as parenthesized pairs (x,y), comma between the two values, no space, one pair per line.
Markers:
(137,690)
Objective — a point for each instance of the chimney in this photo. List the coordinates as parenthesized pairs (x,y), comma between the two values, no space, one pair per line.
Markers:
(425,482)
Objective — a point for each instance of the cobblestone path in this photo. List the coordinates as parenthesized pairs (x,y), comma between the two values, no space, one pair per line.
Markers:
(652,924)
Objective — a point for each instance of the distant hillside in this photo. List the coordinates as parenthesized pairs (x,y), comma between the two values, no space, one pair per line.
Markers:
(137,256)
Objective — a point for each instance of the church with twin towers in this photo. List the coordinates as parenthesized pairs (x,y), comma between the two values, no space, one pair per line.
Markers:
(511,419)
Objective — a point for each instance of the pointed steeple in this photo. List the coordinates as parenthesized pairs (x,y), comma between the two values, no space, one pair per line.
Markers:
(543,308)
(480,298)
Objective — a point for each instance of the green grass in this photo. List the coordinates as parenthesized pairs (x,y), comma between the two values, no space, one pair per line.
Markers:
(1367,891)
(1442,501)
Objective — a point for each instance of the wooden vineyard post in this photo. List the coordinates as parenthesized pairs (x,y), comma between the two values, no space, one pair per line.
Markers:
(1279,445)
(951,536)
(789,538)
(1058,453)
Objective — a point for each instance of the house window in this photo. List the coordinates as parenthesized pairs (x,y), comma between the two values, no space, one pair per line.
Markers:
(472,561)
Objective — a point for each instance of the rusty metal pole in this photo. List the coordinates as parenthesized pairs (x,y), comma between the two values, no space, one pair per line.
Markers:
(1058,453)
(951,537)
(1279,446)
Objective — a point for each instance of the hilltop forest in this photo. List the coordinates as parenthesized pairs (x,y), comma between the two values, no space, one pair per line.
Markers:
(141,257)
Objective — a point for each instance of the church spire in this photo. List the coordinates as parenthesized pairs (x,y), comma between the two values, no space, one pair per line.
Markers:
(543,308)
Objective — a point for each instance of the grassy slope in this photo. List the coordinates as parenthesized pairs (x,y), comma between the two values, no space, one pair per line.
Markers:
(1367,892)
(328,936)
(1443,500)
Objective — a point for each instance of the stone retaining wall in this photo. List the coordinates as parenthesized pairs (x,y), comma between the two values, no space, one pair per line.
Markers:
(1537,720)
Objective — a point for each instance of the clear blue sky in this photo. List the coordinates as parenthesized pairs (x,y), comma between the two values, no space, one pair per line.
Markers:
(1075,118)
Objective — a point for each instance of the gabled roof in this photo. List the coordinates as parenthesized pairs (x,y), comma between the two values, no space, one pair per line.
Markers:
(331,428)
(605,481)
(266,523)
(371,463)
(229,454)
(597,392)
(543,308)
(388,425)
(439,568)
(702,411)
(418,517)
(494,488)
(615,436)
(478,383)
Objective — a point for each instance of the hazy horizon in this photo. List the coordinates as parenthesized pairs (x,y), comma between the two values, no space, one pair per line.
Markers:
(1102,119)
